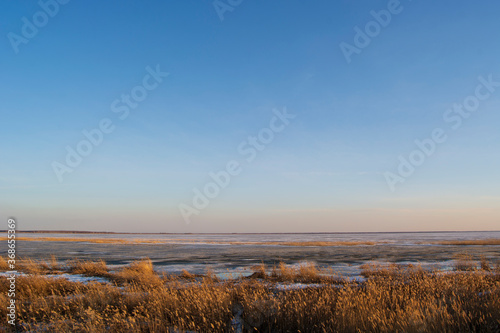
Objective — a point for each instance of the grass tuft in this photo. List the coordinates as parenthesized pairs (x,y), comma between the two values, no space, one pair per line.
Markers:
(89,268)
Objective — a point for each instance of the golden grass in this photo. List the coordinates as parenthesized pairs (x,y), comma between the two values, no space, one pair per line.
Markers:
(30,266)
(304,273)
(88,240)
(398,299)
(323,243)
(139,273)
(128,241)
(190,241)
(4,265)
(492,241)
(388,270)
(465,262)
(89,268)
(485,265)
(187,276)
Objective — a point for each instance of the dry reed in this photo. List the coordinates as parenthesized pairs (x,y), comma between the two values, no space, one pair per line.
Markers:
(394,298)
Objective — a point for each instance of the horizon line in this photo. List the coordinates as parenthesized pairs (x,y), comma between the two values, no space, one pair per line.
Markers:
(238,233)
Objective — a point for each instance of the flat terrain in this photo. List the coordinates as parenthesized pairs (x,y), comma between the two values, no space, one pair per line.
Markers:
(413,282)
(88,296)
(236,254)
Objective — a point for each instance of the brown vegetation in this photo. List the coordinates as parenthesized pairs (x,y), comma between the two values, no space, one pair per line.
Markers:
(87,240)
(304,273)
(465,262)
(4,266)
(388,270)
(394,298)
(322,243)
(470,242)
(194,241)
(89,268)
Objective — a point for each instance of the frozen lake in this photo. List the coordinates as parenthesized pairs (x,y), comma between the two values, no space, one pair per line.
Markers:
(235,253)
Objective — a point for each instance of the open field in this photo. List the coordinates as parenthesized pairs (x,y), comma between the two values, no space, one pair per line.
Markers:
(283,298)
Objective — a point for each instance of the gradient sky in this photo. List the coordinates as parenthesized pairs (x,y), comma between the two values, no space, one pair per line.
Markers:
(323,172)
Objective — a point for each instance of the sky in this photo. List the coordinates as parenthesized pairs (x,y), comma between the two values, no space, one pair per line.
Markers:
(250,116)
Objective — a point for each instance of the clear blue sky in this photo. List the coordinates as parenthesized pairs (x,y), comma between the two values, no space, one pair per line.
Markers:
(325,171)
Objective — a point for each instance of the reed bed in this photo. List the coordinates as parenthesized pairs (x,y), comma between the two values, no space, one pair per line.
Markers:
(394,298)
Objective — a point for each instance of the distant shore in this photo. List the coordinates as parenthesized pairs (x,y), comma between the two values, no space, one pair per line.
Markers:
(240,233)
(491,241)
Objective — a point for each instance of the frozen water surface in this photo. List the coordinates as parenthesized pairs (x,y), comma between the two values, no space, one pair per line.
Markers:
(198,252)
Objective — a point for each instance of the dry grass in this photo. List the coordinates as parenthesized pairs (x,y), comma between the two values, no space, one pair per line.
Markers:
(129,241)
(193,241)
(139,273)
(88,240)
(323,243)
(388,270)
(89,268)
(393,299)
(187,276)
(492,241)
(304,273)
(4,265)
(464,262)
(31,266)
(485,264)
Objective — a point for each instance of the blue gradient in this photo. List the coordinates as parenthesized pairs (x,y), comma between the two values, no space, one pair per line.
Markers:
(323,172)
